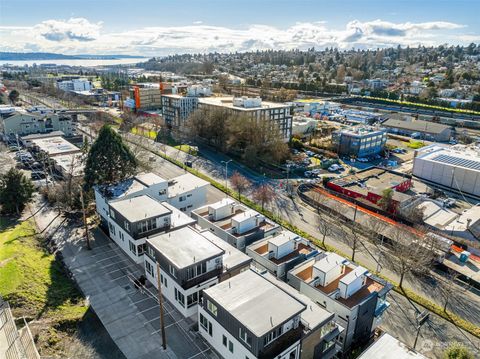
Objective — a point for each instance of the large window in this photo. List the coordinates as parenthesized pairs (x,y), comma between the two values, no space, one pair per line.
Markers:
(206,325)
(212,308)
(147,225)
(192,299)
(133,247)
(172,270)
(270,337)
(196,270)
(245,337)
(149,268)
(180,297)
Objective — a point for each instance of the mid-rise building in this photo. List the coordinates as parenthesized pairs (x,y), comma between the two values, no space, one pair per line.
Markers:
(132,220)
(235,223)
(23,123)
(176,109)
(359,142)
(190,261)
(74,85)
(281,252)
(457,167)
(250,316)
(357,297)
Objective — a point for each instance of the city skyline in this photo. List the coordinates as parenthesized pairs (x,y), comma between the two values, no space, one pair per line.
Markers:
(162,28)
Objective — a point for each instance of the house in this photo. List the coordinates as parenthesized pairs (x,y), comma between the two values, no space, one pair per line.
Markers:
(387,347)
(235,223)
(357,297)
(131,220)
(281,252)
(187,192)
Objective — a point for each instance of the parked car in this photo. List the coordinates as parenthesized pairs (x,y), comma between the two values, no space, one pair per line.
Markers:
(362,159)
(333,168)
(37,175)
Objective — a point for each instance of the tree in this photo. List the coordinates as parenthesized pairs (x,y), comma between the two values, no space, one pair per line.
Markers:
(447,288)
(109,159)
(387,199)
(457,351)
(239,183)
(13,96)
(324,228)
(263,194)
(15,191)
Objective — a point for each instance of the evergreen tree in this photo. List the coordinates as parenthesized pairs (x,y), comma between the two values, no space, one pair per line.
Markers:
(13,96)
(15,191)
(109,159)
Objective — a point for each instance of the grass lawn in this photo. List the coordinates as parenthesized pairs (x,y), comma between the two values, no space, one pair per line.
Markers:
(145,133)
(187,148)
(416,144)
(34,283)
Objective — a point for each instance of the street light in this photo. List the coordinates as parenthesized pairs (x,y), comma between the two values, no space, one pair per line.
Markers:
(226,173)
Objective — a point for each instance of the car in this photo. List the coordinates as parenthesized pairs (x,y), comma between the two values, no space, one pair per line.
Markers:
(333,168)
(14,148)
(362,159)
(37,175)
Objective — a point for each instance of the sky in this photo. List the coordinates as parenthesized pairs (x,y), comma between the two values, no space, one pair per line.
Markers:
(159,27)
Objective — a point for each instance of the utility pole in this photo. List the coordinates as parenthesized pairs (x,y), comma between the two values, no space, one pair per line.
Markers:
(160,302)
(87,235)
(226,173)
(421,319)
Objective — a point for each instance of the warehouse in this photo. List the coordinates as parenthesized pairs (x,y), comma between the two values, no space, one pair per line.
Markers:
(456,167)
(422,129)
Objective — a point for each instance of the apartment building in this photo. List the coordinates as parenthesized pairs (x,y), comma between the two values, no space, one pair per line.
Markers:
(74,85)
(184,192)
(281,252)
(190,261)
(23,123)
(277,115)
(176,109)
(357,297)
(132,220)
(235,223)
(359,142)
(252,316)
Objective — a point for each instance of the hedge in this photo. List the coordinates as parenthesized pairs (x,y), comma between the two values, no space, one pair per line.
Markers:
(435,308)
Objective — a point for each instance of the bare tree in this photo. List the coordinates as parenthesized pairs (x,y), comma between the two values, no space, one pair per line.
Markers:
(324,227)
(409,253)
(239,183)
(264,194)
(353,241)
(447,288)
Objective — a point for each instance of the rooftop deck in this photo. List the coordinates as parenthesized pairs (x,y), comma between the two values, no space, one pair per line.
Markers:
(301,249)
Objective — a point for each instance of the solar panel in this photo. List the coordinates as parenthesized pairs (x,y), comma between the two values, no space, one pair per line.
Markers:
(457,161)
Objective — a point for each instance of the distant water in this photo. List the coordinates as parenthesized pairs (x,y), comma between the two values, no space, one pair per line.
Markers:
(86,63)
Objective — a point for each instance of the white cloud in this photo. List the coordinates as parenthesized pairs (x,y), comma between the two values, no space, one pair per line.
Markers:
(79,35)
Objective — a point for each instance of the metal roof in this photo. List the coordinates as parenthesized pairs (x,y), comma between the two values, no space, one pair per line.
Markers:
(457,161)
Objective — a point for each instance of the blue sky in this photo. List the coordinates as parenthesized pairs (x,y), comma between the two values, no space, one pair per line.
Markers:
(159,27)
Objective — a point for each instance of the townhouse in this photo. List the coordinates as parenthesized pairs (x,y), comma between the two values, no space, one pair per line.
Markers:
(235,223)
(190,261)
(357,297)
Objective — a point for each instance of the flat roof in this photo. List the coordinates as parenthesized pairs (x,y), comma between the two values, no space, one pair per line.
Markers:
(283,237)
(227,102)
(137,208)
(255,302)
(149,179)
(330,261)
(185,247)
(244,215)
(354,274)
(387,347)
(456,156)
(221,203)
(55,145)
(70,163)
(184,183)
(417,125)
(177,217)
(232,257)
(313,315)
(42,135)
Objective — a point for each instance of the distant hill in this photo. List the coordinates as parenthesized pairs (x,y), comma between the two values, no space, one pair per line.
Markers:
(29,56)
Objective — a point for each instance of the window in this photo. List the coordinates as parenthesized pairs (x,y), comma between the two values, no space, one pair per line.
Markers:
(245,337)
(126,225)
(189,195)
(162,192)
(196,270)
(230,346)
(151,251)
(203,322)
(192,299)
(141,248)
(133,247)
(212,308)
(182,198)
(112,213)
(149,268)
(172,270)
(224,340)
(179,297)
(147,225)
(270,337)
(293,354)
(183,209)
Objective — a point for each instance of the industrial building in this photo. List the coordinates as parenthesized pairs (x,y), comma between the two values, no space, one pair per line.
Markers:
(359,142)
(457,167)
(369,185)
(418,128)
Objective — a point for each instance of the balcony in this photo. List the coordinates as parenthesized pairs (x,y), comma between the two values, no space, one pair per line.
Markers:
(282,343)
(189,283)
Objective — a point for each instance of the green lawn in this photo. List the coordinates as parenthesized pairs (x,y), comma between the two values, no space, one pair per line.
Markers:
(187,148)
(416,144)
(145,133)
(36,286)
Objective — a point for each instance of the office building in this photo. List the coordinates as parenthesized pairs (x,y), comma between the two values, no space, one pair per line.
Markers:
(359,142)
